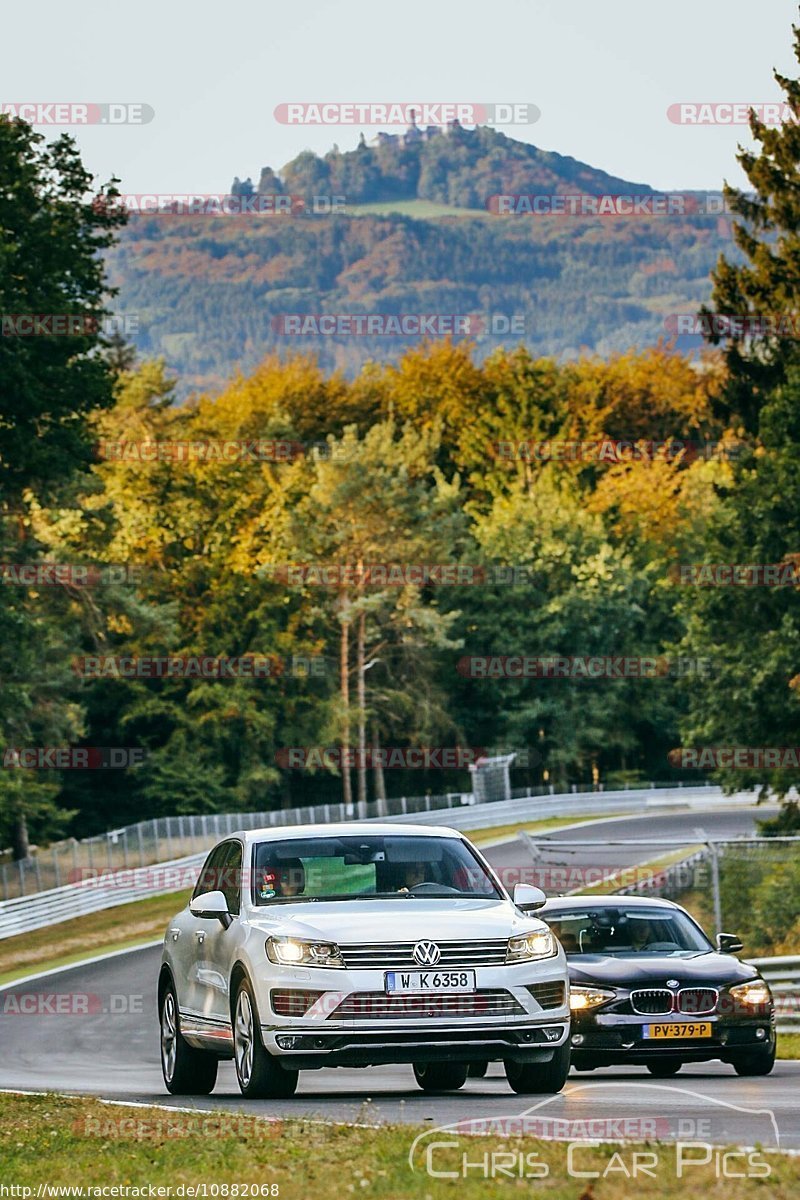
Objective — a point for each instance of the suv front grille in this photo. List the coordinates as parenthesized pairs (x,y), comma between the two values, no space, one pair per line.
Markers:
(366,955)
(548,995)
(376,1006)
(651,1000)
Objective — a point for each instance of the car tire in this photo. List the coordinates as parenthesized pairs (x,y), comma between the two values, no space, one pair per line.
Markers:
(440,1076)
(260,1075)
(755,1062)
(477,1070)
(535,1078)
(186,1071)
(665,1069)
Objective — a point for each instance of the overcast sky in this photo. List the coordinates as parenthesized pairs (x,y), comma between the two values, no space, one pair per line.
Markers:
(603,76)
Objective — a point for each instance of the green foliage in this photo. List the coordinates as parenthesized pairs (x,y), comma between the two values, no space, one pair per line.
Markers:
(764,282)
(53,232)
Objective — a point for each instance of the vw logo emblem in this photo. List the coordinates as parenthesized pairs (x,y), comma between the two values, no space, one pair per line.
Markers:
(427,954)
(672,983)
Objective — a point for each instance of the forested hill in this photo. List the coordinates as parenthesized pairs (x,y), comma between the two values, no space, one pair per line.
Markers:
(212,293)
(455,166)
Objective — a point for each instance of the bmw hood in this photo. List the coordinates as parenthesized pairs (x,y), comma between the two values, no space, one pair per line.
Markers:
(646,970)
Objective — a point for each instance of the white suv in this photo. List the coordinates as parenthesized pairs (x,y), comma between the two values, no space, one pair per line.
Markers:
(354,945)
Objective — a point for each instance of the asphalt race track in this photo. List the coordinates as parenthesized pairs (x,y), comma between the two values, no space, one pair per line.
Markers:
(112,1050)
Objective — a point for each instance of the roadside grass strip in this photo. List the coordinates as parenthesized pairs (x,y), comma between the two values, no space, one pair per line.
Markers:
(52,1142)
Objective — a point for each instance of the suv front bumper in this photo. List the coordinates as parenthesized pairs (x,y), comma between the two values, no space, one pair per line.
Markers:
(367,1046)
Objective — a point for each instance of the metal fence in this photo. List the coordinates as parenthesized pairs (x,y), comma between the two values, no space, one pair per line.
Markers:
(166,838)
(111,881)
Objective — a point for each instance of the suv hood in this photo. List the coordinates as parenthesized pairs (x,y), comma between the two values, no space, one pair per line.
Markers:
(396,920)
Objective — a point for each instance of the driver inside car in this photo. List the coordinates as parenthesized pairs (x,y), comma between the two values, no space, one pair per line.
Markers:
(641,934)
(414,875)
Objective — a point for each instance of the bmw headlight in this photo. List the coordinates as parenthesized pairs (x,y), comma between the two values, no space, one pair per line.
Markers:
(753,994)
(528,946)
(581,998)
(297,952)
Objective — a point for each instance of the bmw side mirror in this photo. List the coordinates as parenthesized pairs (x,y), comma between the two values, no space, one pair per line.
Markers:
(211,906)
(728,943)
(528,898)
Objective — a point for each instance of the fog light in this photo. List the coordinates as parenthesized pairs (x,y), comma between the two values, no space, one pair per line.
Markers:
(761,1034)
(552,1035)
(286,1043)
(577,1039)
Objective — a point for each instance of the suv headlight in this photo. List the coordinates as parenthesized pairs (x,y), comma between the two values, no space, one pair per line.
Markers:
(581,998)
(297,952)
(528,946)
(753,994)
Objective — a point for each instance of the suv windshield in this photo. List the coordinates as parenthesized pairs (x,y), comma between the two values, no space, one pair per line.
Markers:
(600,930)
(358,867)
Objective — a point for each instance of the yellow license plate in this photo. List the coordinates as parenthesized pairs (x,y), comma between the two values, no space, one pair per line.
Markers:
(679,1029)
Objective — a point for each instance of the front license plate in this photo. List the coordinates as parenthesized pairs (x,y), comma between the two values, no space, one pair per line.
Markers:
(679,1029)
(425,982)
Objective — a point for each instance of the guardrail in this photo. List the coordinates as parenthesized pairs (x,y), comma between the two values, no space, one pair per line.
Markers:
(111,887)
(162,839)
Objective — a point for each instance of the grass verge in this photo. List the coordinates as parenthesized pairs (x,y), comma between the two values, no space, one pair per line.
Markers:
(789,1045)
(118,928)
(83,1143)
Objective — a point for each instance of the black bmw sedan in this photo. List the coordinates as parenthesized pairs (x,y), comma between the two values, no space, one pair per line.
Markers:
(648,987)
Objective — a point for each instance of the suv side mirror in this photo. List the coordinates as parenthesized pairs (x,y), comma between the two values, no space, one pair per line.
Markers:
(211,906)
(728,943)
(527,897)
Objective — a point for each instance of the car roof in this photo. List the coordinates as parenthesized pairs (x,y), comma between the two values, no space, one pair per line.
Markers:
(272,833)
(608,902)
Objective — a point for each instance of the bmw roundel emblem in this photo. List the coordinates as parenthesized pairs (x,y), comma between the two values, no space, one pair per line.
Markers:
(427,954)
(672,983)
